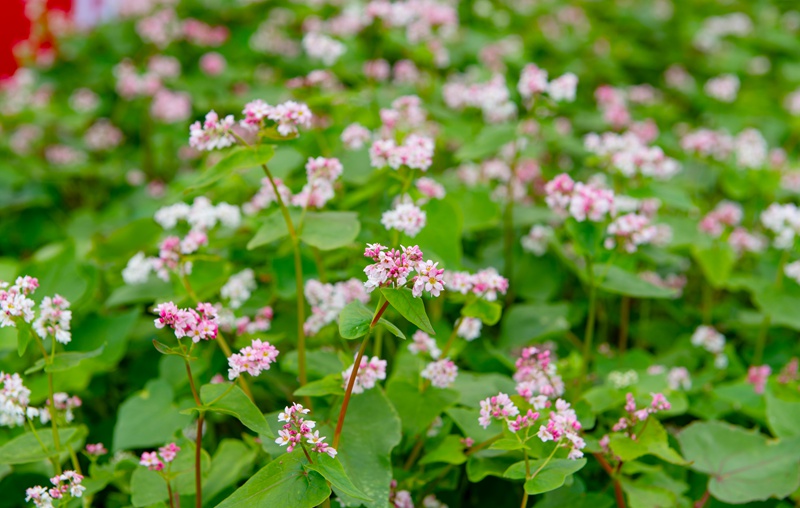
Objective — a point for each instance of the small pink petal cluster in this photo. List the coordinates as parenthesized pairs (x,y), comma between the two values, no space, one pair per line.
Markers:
(470,328)
(537,377)
(14,400)
(758,376)
(630,155)
(355,136)
(171,107)
(399,498)
(266,196)
(160,28)
(14,301)
(213,64)
(203,34)
(784,222)
(726,213)
(406,114)
(370,371)
(724,87)
(67,483)
(296,428)
(405,217)
(564,428)
(498,407)
(213,133)
(708,143)
(441,373)
(63,402)
(537,239)
(423,20)
(523,421)
(253,359)
(613,103)
(322,173)
(96,449)
(743,241)
(156,461)
(130,84)
(678,377)
(579,200)
(102,135)
(261,322)
(288,116)
(430,188)
(532,81)
(322,47)
(416,152)
(201,215)
(491,97)
(486,283)
(170,255)
(634,416)
(328,300)
(630,231)
(424,343)
(64,155)
(200,324)
(239,287)
(392,268)
(709,339)
(790,372)
(54,319)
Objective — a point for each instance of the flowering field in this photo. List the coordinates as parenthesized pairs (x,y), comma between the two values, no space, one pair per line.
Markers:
(410,253)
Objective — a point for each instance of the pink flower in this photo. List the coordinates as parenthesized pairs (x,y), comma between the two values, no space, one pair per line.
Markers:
(498,407)
(212,64)
(169,452)
(289,116)
(533,80)
(297,428)
(758,376)
(253,359)
(537,375)
(563,88)
(424,343)
(96,450)
(355,136)
(430,278)
(171,107)
(405,217)
(441,373)
(213,133)
(370,371)
(430,188)
(630,231)
(151,461)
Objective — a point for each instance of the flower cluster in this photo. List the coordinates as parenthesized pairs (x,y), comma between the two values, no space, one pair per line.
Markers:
(260,322)
(784,222)
(288,116)
(67,483)
(405,217)
(421,342)
(322,173)
(14,301)
(214,133)
(579,200)
(328,300)
(712,341)
(266,196)
(416,152)
(537,376)
(498,407)
(758,376)
(370,371)
(296,428)
(630,231)
(252,359)
(441,373)
(95,449)
(533,80)
(199,324)
(537,239)
(14,400)
(630,155)
(671,281)
(486,283)
(63,402)
(323,47)
(355,136)
(430,188)
(564,428)
(726,213)
(156,461)
(392,268)
(491,97)
(634,415)
(469,328)
(239,287)
(54,319)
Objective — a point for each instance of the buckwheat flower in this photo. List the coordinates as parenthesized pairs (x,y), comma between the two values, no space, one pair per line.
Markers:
(193,240)
(743,241)
(322,168)
(322,47)
(752,151)
(63,155)
(402,499)
(213,133)
(297,428)
(253,359)
(171,107)
(533,80)
(355,136)
(328,300)
(792,270)
(470,328)
(430,188)
(213,64)
(758,376)
(102,135)
(679,378)
(430,501)
(40,497)
(266,196)
(784,222)
(14,400)
(239,288)
(563,428)
(559,193)
(95,450)
(498,407)
(370,371)
(563,88)
(428,278)
(591,203)
(84,100)
(63,402)
(378,70)
(724,88)
(630,231)
(14,301)
(54,319)
(536,375)
(709,339)
(151,461)
(289,116)
(405,217)
(441,373)
(488,283)
(537,239)
(726,213)
(424,343)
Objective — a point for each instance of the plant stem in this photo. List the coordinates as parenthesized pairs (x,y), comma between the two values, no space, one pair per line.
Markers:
(624,322)
(48,360)
(223,394)
(508,240)
(703,500)
(618,494)
(198,457)
(351,382)
(589,334)
(169,493)
(708,302)
(452,338)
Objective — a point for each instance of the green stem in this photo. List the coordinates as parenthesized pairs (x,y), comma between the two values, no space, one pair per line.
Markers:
(508,240)
(226,392)
(589,334)
(48,359)
(452,338)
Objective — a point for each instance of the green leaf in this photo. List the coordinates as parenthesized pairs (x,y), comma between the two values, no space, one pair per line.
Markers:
(329,385)
(783,416)
(166,350)
(488,312)
(488,463)
(614,279)
(24,336)
(779,306)
(743,465)
(240,157)
(487,142)
(527,323)
(26,447)
(587,235)
(332,470)
(409,307)
(647,496)
(418,409)
(126,241)
(147,488)
(330,230)
(449,451)
(652,440)
(440,239)
(236,404)
(283,483)
(552,476)
(716,262)
(231,462)
(65,361)
(272,228)
(148,418)
(355,318)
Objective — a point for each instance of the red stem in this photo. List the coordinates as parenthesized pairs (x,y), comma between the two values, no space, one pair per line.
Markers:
(618,495)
